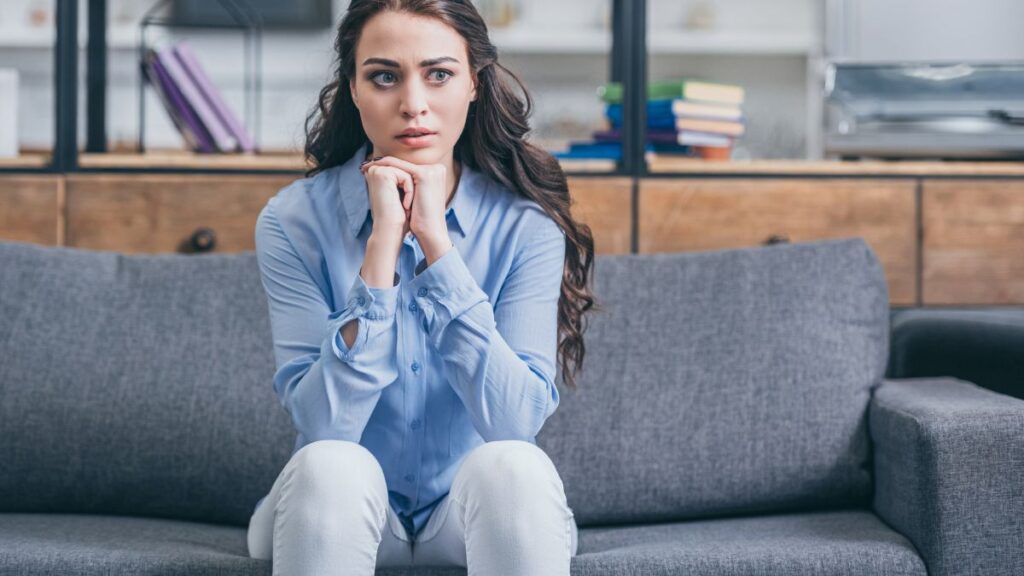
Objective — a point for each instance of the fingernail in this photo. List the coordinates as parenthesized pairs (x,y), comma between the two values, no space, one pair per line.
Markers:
(364,162)
(377,158)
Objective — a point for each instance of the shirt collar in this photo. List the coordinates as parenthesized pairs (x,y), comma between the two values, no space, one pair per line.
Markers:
(353,192)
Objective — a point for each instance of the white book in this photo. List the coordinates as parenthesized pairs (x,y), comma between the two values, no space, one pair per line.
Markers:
(8,113)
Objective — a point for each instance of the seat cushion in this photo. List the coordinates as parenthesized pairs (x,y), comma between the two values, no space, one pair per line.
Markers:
(834,543)
(725,383)
(854,543)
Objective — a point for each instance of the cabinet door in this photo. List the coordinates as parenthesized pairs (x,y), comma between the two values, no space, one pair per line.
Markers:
(30,209)
(605,205)
(147,213)
(973,241)
(687,214)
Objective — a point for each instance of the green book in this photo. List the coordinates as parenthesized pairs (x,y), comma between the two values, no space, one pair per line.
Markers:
(699,90)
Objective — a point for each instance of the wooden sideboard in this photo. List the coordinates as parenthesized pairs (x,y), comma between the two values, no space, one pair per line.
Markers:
(946,234)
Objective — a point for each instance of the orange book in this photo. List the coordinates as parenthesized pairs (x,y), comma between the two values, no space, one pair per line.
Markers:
(711,126)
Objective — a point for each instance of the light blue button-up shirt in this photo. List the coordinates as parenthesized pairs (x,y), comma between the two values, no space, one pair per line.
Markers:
(452,355)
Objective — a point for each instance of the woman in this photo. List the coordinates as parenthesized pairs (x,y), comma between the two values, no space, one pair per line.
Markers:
(419,279)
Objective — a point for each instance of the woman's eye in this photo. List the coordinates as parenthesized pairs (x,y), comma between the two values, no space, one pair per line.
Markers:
(445,72)
(374,77)
(385,78)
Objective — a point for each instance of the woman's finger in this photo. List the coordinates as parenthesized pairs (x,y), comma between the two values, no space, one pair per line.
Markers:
(407,201)
(413,169)
(407,184)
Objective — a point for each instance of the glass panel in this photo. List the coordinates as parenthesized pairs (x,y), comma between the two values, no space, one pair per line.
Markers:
(561,51)
(731,80)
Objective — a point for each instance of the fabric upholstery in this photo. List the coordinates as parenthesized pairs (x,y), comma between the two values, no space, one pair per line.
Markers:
(727,382)
(949,473)
(137,385)
(842,543)
(979,346)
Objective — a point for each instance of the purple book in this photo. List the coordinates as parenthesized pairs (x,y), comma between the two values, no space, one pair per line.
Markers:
(181,114)
(225,142)
(213,96)
(657,136)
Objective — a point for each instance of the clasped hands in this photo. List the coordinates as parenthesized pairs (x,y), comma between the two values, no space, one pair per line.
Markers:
(408,197)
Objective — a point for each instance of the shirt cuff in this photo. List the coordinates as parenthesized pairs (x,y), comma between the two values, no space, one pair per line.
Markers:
(364,303)
(446,282)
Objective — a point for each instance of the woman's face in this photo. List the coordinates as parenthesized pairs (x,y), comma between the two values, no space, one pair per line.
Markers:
(412,72)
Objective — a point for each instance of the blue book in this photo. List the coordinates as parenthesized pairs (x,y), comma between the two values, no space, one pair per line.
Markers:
(602,150)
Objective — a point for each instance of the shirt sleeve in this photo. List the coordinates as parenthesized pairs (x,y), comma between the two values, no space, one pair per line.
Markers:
(500,360)
(329,390)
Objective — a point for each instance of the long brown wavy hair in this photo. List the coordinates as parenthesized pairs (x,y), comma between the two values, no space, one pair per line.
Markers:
(492,143)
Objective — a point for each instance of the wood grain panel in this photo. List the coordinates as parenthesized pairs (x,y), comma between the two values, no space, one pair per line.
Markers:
(157,213)
(29,209)
(719,213)
(604,204)
(973,250)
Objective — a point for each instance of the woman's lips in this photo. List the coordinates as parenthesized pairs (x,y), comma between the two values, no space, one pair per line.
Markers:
(417,141)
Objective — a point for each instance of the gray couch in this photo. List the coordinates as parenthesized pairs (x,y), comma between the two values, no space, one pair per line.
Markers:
(733,418)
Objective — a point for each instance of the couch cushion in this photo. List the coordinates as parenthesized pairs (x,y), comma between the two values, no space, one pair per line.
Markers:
(836,543)
(725,382)
(136,385)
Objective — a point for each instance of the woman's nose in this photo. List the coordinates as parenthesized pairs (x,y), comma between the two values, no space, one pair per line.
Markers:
(414,99)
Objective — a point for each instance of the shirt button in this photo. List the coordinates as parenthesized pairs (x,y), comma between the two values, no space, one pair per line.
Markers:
(422,292)
(415,366)
(361,300)
(415,424)
(413,307)
(409,478)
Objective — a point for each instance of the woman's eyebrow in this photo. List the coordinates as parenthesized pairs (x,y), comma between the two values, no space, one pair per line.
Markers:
(423,64)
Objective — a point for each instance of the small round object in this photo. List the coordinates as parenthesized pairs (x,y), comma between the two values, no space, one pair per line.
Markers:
(202,240)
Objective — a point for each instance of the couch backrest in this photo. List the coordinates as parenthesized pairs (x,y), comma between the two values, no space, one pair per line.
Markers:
(726,382)
(136,385)
(719,382)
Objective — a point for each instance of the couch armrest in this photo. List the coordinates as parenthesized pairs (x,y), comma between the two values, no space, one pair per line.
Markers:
(980,346)
(949,473)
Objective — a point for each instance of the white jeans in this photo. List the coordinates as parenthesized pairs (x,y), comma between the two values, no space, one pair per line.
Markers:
(328,513)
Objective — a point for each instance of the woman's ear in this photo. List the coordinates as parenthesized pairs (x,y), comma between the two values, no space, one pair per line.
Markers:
(352,91)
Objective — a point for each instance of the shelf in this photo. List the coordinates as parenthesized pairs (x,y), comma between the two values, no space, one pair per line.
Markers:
(46,38)
(26,160)
(176,159)
(736,42)
(181,160)
(694,166)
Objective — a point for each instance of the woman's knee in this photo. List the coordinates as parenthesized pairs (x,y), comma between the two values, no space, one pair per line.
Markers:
(336,467)
(496,468)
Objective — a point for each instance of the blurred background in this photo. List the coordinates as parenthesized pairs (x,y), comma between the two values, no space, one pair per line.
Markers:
(683,125)
(777,51)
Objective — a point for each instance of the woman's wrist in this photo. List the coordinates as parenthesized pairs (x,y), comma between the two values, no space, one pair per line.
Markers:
(378,269)
(435,247)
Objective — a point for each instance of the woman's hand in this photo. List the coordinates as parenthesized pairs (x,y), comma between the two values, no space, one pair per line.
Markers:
(390,192)
(427,214)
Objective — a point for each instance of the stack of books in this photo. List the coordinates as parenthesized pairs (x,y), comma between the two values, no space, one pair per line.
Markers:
(685,117)
(197,108)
